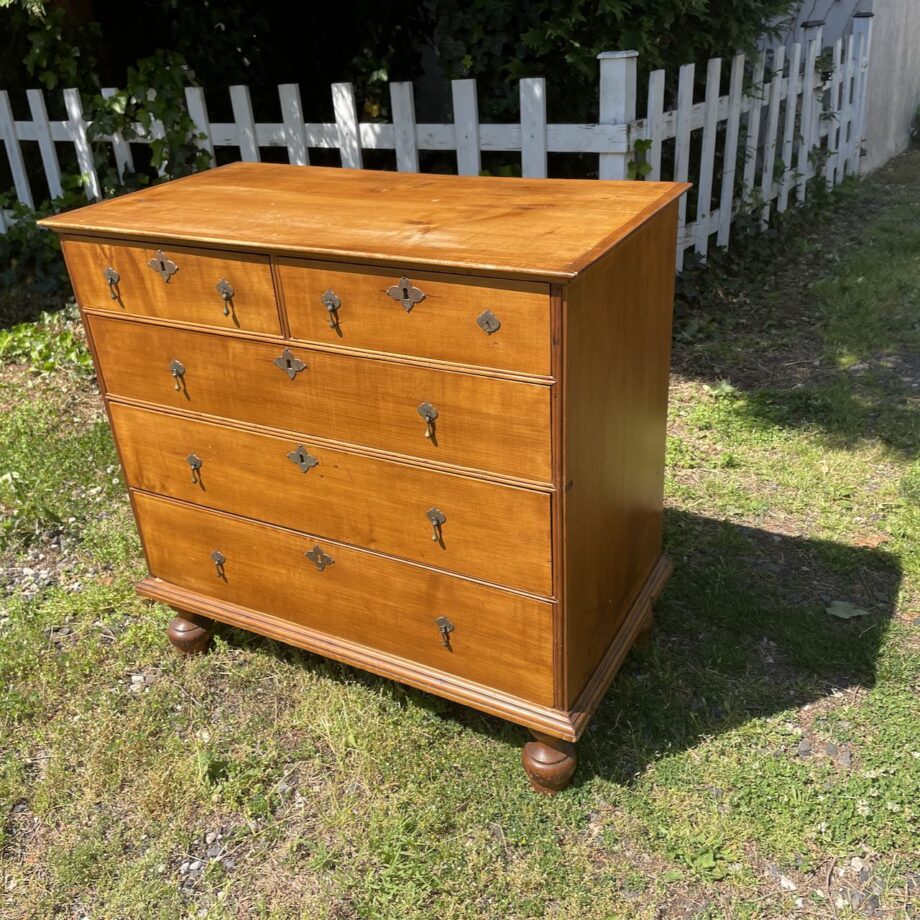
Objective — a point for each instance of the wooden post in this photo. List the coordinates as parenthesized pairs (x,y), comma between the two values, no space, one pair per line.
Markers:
(346,119)
(466,127)
(45,142)
(809,103)
(707,156)
(533,128)
(862,29)
(617,105)
(402,103)
(730,158)
(292,116)
(198,112)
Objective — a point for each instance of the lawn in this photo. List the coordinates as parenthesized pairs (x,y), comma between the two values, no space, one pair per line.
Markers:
(760,759)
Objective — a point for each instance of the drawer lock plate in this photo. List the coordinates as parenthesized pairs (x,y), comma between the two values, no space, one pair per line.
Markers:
(163,265)
(488,322)
(303,458)
(406,293)
(290,364)
(319,558)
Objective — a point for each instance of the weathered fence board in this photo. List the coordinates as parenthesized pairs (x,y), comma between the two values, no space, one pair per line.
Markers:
(775,131)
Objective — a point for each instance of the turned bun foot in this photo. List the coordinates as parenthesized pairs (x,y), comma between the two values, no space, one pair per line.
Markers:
(190,633)
(549,763)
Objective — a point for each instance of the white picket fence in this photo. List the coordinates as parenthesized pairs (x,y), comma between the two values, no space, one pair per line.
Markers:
(773,130)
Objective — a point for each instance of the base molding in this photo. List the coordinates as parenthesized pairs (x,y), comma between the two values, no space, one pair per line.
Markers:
(542,719)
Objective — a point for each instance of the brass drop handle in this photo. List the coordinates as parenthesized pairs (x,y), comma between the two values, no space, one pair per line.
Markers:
(445,627)
(332,302)
(177,369)
(111,278)
(436,517)
(225,289)
(194,461)
(217,557)
(429,414)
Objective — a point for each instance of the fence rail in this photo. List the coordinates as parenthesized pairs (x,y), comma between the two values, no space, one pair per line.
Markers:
(781,123)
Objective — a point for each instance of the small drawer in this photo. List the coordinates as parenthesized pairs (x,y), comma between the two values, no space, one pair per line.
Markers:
(495,324)
(467,420)
(476,632)
(180,285)
(492,532)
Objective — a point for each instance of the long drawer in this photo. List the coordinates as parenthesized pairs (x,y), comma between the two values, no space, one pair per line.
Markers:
(486,635)
(233,291)
(498,324)
(493,532)
(501,426)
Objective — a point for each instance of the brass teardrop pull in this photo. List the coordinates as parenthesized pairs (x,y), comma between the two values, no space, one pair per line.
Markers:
(331,301)
(217,557)
(194,461)
(436,517)
(111,279)
(445,627)
(429,414)
(225,289)
(177,369)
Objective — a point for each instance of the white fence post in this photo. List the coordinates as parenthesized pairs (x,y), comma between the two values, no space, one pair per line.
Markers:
(294,133)
(14,152)
(809,102)
(533,128)
(862,30)
(346,120)
(45,142)
(403,104)
(767,184)
(730,157)
(466,126)
(707,156)
(81,143)
(617,105)
(198,112)
(682,143)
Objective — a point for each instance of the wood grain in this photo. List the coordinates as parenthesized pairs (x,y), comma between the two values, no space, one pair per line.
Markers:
(496,425)
(442,327)
(502,639)
(617,341)
(190,295)
(495,533)
(542,229)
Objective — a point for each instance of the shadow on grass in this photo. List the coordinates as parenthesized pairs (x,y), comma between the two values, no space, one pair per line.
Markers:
(741,633)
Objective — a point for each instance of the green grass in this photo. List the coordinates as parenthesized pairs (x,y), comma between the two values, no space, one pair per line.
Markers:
(735,769)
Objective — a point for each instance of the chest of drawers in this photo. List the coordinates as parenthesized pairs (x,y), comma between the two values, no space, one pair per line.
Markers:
(415,423)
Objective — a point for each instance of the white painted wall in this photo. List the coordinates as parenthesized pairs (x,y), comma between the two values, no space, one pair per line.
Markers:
(894,74)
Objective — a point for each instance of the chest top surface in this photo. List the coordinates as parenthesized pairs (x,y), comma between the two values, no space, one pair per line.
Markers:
(542,229)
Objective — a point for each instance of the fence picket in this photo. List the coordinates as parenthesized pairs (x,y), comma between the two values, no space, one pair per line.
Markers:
(124,160)
(792,99)
(292,115)
(14,151)
(654,128)
(245,123)
(808,107)
(346,120)
(707,156)
(45,142)
(682,159)
(730,156)
(752,135)
(846,110)
(862,27)
(77,127)
(198,112)
(767,184)
(833,124)
(533,128)
(466,126)
(406,138)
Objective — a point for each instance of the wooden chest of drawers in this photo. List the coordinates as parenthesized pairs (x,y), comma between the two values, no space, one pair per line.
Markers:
(415,423)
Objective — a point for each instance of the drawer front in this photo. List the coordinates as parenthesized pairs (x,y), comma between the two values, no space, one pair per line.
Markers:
(464,320)
(502,426)
(496,533)
(188,295)
(500,640)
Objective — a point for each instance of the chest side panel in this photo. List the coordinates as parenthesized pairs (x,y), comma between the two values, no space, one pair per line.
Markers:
(617,357)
